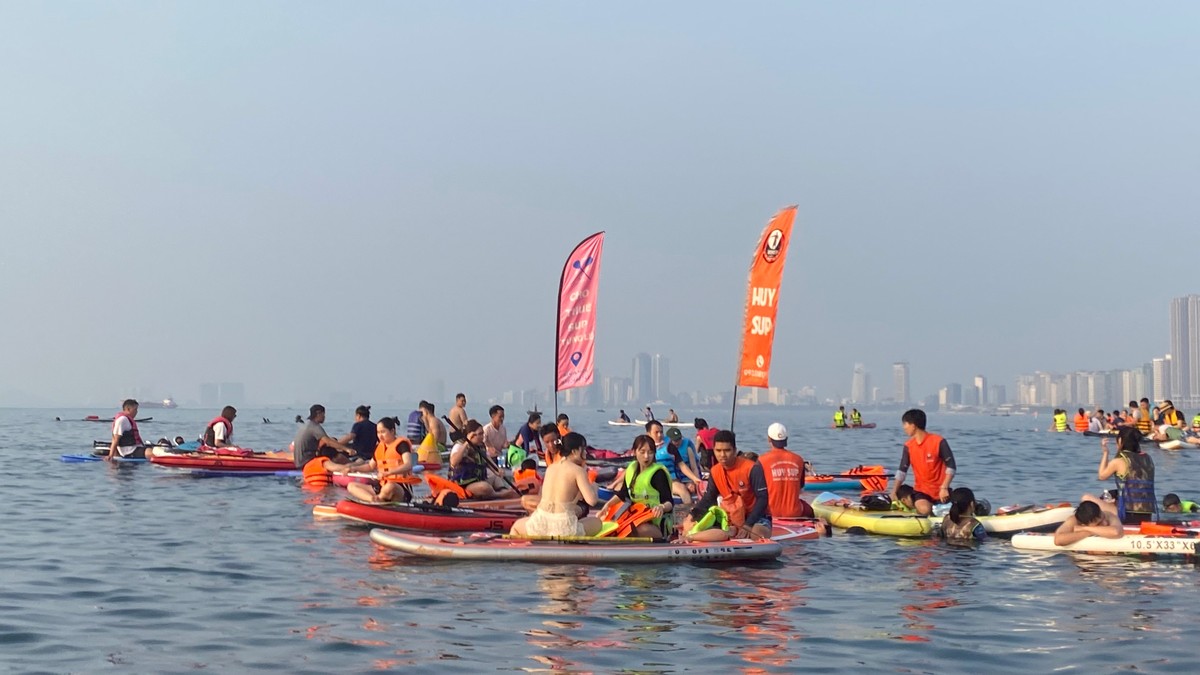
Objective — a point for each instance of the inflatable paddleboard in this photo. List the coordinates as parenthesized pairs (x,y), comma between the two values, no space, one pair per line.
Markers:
(1130,544)
(615,423)
(869,425)
(586,550)
(909,524)
(425,517)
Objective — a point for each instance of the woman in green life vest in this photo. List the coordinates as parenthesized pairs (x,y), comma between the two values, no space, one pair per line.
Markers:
(648,482)
(855,418)
(1060,421)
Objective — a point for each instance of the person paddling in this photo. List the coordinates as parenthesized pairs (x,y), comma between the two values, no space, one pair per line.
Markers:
(126,439)
(564,485)
(932,463)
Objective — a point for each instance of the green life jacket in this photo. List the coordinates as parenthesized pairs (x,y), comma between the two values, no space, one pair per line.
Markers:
(715,517)
(1060,422)
(1188,507)
(839,419)
(642,492)
(856,418)
(516,455)
(1196,420)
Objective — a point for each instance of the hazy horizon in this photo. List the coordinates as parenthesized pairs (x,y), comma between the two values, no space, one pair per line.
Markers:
(312,198)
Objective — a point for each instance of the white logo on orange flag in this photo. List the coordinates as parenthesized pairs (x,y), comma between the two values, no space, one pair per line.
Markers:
(762,301)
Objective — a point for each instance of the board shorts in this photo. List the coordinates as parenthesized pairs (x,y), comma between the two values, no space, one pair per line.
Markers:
(918,495)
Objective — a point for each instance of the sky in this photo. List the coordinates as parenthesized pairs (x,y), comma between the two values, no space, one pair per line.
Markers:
(311,197)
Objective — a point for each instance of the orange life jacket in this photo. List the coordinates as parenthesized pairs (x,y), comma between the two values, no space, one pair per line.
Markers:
(315,473)
(737,495)
(1145,424)
(527,481)
(1081,422)
(390,456)
(438,485)
(928,469)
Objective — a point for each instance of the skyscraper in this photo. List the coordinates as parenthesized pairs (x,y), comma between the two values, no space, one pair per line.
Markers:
(981,390)
(1185,348)
(660,377)
(900,381)
(1162,378)
(860,384)
(643,388)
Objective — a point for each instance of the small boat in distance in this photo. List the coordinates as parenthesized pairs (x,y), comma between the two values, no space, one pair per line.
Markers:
(167,402)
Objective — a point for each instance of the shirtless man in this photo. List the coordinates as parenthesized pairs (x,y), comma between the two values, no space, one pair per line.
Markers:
(672,417)
(433,425)
(458,414)
(565,484)
(1089,520)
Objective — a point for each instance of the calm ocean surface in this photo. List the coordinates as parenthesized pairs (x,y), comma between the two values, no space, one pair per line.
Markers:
(133,568)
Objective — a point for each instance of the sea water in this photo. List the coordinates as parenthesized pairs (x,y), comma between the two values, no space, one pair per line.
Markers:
(138,568)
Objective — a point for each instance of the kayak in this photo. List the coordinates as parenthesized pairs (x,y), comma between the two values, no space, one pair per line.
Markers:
(195,460)
(869,425)
(426,517)
(594,550)
(1006,522)
(1149,545)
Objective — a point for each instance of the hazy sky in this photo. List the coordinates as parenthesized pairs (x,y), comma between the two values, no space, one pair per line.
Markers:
(310,197)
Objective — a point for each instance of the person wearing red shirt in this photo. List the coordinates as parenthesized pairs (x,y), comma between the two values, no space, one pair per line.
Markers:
(931,460)
(784,471)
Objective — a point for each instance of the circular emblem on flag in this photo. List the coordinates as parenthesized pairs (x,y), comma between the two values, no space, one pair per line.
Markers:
(772,245)
(759,361)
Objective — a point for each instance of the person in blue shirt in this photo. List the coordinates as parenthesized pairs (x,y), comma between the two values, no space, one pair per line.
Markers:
(362,436)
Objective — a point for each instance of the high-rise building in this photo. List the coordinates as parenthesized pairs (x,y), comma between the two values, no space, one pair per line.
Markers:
(643,387)
(1185,348)
(1162,378)
(900,381)
(660,377)
(997,394)
(860,384)
(981,390)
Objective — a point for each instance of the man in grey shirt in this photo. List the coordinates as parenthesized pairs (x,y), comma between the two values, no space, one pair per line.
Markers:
(312,437)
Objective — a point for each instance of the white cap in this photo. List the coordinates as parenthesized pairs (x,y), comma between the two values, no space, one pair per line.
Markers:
(777,432)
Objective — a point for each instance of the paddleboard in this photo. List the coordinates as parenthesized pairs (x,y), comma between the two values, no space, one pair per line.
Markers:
(585,550)
(77,459)
(869,425)
(1130,544)
(908,524)
(614,423)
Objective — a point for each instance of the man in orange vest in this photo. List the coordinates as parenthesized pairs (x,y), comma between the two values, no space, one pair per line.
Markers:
(742,487)
(784,471)
(932,463)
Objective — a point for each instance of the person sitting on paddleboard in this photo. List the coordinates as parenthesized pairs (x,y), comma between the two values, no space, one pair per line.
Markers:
(742,487)
(318,472)
(311,437)
(668,456)
(704,442)
(624,418)
(961,522)
(855,418)
(472,469)
(126,439)
(363,436)
(932,463)
(1089,520)
(219,432)
(784,471)
(552,442)
(1193,435)
(647,481)
(528,438)
(563,423)
(690,469)
(672,417)
(394,460)
(565,484)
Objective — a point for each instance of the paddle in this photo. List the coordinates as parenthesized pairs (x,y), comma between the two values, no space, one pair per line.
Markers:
(488,460)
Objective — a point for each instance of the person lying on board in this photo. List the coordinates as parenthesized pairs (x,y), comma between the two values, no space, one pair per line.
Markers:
(1173,504)
(394,460)
(565,484)
(1089,520)
(706,525)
